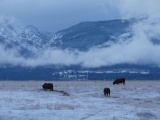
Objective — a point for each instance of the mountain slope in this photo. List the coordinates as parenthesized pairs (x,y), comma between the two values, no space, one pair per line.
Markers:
(89,34)
(82,37)
(25,40)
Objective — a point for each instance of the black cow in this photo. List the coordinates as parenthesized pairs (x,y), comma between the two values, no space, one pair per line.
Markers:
(48,86)
(106,91)
(119,80)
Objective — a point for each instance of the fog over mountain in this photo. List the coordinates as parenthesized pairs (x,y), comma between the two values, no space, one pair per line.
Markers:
(26,45)
(141,47)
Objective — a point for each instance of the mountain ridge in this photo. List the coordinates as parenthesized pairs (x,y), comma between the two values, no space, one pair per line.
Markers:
(28,42)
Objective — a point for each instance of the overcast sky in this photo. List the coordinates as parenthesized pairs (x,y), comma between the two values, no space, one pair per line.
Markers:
(54,15)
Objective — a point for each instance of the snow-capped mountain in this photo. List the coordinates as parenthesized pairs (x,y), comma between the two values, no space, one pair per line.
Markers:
(9,29)
(90,34)
(26,40)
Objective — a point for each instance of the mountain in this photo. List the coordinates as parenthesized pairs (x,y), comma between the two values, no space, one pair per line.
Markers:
(86,35)
(83,36)
(90,34)
(28,42)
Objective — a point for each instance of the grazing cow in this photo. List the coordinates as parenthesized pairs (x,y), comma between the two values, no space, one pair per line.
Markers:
(106,91)
(119,80)
(48,86)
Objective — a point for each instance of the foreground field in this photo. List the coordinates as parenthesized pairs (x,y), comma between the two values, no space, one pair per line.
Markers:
(25,100)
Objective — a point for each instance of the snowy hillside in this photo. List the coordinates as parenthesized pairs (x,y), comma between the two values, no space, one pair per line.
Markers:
(28,40)
(83,36)
(25,40)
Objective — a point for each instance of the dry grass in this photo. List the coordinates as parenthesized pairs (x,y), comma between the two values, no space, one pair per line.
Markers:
(80,99)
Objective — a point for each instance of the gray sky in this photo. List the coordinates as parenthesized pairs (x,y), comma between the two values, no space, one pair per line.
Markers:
(54,15)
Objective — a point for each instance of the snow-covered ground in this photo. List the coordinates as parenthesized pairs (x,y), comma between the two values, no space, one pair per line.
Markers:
(25,100)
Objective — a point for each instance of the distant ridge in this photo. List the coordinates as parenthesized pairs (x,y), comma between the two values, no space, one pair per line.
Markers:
(28,43)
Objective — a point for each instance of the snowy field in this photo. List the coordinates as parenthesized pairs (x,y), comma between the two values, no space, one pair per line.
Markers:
(25,100)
